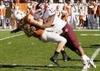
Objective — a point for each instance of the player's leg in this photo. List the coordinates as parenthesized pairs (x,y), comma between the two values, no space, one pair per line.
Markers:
(65,57)
(75,46)
(61,41)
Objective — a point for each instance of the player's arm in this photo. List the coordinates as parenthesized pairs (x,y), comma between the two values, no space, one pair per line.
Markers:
(40,23)
(31,20)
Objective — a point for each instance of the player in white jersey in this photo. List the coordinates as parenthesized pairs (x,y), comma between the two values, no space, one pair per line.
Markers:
(39,15)
(64,29)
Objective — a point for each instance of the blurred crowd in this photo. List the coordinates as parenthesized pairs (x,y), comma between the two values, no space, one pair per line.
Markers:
(79,15)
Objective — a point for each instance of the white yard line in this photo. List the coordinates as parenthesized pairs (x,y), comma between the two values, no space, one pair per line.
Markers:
(83,35)
(89,34)
(5,29)
(95,54)
(98,30)
(11,37)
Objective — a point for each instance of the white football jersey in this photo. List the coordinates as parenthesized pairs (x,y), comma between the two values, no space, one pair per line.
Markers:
(58,22)
(58,25)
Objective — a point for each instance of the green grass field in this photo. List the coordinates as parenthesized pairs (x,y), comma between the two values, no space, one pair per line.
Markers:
(20,53)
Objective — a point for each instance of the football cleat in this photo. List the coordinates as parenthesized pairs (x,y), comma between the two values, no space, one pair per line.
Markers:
(87,65)
(55,61)
(66,58)
(87,61)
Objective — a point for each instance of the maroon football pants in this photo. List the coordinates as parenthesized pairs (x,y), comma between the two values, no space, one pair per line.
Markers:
(70,35)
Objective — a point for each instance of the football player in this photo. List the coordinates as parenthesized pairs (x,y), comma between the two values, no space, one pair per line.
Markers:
(36,28)
(65,30)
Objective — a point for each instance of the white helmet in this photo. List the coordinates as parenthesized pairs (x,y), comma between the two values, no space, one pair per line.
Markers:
(19,14)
